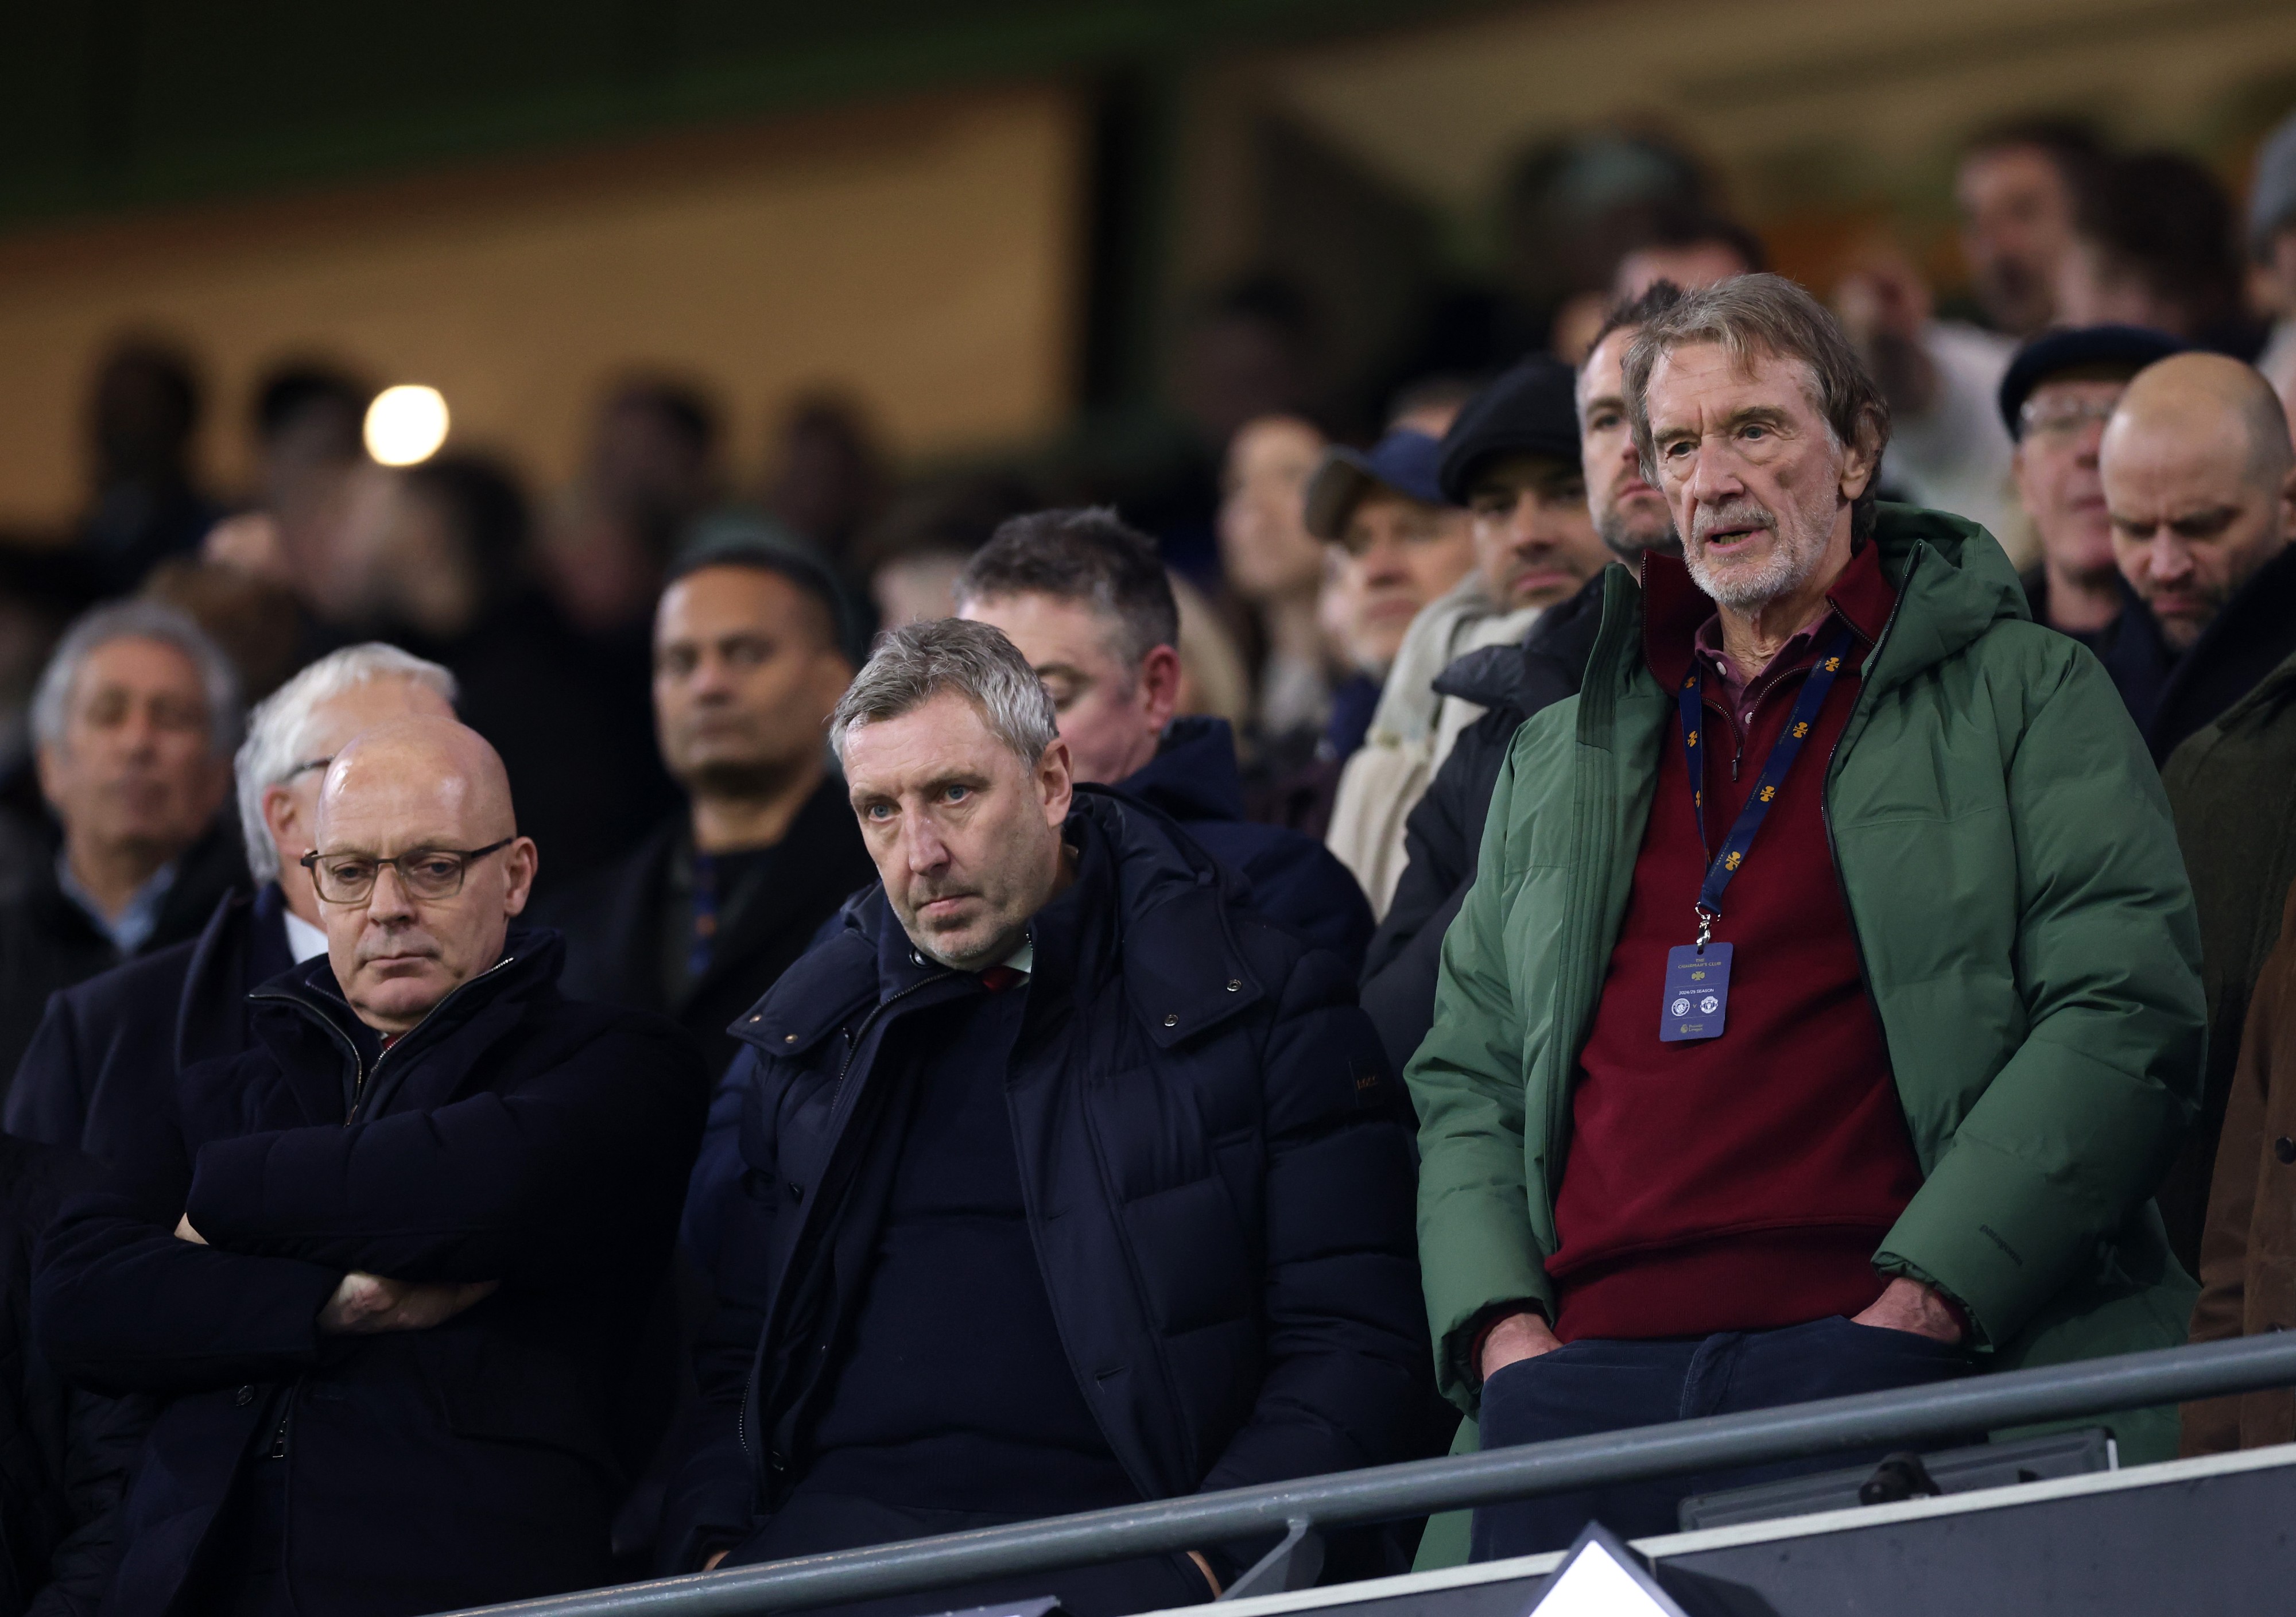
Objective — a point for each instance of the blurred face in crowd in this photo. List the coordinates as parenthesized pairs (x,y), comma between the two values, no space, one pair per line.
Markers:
(1113,711)
(1630,516)
(746,669)
(1690,266)
(965,833)
(2016,222)
(1265,544)
(427,792)
(290,809)
(135,770)
(1535,539)
(2199,487)
(2056,467)
(1400,555)
(1759,489)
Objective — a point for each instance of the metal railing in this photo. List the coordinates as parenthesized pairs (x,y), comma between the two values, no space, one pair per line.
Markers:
(1385,1493)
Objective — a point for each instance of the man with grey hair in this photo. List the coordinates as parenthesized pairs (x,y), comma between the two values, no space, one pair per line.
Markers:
(1827,1006)
(132,724)
(1097,1178)
(103,1045)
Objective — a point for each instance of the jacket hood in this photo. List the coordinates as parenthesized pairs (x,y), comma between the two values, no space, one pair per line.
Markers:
(1164,901)
(1952,579)
(1193,775)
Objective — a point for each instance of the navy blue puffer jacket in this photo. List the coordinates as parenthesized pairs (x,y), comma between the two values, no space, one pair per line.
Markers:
(1216,1171)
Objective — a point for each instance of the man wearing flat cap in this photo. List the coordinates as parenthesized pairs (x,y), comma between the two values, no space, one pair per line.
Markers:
(2055,397)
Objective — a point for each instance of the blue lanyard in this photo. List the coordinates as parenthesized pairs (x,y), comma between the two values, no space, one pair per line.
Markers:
(701,949)
(1722,865)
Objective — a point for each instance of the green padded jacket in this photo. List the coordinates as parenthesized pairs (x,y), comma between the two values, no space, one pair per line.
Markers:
(2027,934)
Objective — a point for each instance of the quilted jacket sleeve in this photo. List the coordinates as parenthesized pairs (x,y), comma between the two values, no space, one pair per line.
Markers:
(2068,1138)
(1346,1375)
(515,1186)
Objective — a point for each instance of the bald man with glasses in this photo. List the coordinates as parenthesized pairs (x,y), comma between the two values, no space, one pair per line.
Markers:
(386,1269)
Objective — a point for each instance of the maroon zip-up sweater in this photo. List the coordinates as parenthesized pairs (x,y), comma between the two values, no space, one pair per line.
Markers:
(1739,1183)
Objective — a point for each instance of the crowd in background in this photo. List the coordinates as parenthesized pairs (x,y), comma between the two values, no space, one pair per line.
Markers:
(1366,598)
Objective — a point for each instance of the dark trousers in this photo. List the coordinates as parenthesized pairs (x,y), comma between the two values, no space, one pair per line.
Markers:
(812,1524)
(1591,1386)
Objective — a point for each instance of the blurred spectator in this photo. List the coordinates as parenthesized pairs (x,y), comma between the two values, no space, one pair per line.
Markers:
(64,1454)
(1679,243)
(752,651)
(1443,834)
(2055,397)
(312,476)
(146,505)
(2272,249)
(2154,245)
(1275,567)
(828,479)
(443,556)
(1213,679)
(1691,249)
(912,556)
(104,1045)
(1430,404)
(2248,1256)
(1930,1122)
(2015,192)
(1511,458)
(42,590)
(332,1434)
(1085,599)
(1249,353)
(1948,450)
(990,988)
(134,721)
(1401,545)
(2241,857)
(652,469)
(255,620)
(2200,483)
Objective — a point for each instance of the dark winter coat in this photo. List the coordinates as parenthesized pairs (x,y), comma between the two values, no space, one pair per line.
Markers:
(1290,878)
(613,922)
(511,1137)
(63,1454)
(2231,786)
(1218,1180)
(1445,830)
(48,942)
(2171,696)
(105,1045)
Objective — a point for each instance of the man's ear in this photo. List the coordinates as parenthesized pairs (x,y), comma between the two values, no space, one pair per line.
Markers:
(521,860)
(1056,781)
(1159,687)
(44,761)
(1861,459)
(280,819)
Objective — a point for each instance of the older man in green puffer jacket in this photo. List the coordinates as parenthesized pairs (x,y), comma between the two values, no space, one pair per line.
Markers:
(1915,1129)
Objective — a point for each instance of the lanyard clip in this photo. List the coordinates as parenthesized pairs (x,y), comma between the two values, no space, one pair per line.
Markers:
(1706,919)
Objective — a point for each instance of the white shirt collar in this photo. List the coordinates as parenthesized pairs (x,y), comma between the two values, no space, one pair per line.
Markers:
(305,942)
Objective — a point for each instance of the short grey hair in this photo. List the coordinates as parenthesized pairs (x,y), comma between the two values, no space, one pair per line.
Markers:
(1768,314)
(917,662)
(278,732)
(139,619)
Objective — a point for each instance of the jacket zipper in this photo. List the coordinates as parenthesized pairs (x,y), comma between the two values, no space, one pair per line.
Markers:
(359,1074)
(839,1113)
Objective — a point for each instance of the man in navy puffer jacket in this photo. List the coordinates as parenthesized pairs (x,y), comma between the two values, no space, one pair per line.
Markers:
(1069,1181)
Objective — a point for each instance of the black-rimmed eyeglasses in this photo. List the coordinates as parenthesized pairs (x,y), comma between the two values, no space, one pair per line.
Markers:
(425,872)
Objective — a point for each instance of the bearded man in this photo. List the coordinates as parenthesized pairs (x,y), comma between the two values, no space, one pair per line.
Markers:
(1827,1006)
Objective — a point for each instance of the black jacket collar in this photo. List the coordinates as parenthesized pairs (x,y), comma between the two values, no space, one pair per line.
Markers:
(1193,775)
(1166,905)
(365,1078)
